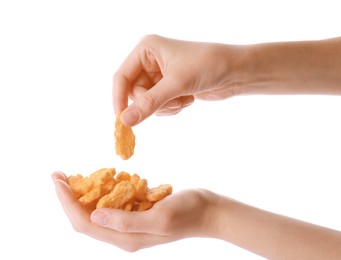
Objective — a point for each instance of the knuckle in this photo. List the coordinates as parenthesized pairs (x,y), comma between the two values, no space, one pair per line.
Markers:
(149,38)
(115,76)
(80,227)
(131,248)
(122,224)
(149,102)
(118,77)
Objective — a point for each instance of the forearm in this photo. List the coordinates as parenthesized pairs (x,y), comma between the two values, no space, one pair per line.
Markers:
(274,236)
(306,67)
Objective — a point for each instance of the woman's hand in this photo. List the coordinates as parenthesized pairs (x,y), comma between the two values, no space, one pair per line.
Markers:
(180,215)
(201,213)
(164,75)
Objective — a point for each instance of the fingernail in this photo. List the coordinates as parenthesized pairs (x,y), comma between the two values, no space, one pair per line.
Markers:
(130,117)
(99,217)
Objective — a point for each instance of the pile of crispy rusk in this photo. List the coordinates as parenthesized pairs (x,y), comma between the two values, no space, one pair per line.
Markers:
(106,189)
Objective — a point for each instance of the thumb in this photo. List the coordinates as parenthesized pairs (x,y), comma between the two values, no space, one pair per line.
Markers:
(146,104)
(124,221)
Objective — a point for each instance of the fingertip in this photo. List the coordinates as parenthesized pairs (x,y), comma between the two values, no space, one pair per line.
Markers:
(118,109)
(61,185)
(99,217)
(187,100)
(58,175)
(61,188)
(130,117)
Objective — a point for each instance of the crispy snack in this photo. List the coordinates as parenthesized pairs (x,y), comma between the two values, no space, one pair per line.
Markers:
(124,139)
(158,193)
(140,187)
(123,176)
(91,198)
(142,205)
(104,189)
(76,186)
(81,186)
(119,197)
(90,189)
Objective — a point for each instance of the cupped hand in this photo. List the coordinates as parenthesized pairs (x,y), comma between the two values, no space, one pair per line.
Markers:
(164,75)
(183,214)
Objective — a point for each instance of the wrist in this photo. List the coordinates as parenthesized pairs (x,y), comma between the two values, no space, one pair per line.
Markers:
(255,72)
(213,214)
(238,67)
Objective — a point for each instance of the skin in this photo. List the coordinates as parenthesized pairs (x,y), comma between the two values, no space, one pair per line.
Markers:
(163,76)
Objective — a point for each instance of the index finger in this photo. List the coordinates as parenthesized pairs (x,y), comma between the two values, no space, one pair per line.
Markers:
(123,78)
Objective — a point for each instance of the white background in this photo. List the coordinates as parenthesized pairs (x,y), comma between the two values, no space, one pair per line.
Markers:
(57,58)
